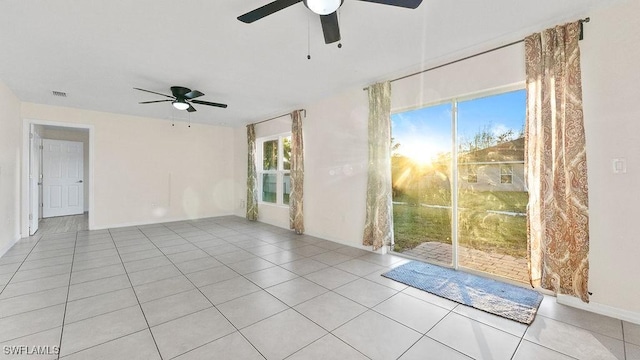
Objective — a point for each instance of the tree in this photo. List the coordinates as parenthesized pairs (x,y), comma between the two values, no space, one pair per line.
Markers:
(485,138)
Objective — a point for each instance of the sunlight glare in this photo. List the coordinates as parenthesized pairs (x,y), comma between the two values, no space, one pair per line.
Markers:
(420,153)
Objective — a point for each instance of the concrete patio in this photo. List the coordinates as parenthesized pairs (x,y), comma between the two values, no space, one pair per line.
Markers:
(498,264)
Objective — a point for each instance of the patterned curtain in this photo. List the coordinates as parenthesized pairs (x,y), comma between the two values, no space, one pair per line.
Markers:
(296,217)
(252,181)
(378,228)
(555,162)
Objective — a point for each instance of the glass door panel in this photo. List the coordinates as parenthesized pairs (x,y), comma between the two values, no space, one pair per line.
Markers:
(492,196)
(421,176)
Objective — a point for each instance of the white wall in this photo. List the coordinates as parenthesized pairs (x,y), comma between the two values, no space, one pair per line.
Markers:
(9,168)
(240,171)
(336,150)
(504,67)
(146,171)
(610,56)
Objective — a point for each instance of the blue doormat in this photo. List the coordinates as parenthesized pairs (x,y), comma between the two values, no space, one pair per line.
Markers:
(495,297)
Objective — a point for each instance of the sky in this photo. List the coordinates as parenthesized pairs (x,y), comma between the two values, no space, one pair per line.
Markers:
(423,133)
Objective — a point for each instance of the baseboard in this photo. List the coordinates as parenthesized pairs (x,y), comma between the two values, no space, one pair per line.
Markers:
(152,222)
(601,309)
(9,245)
(383,250)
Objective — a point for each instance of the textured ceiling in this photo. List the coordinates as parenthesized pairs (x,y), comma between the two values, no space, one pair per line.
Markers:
(98,51)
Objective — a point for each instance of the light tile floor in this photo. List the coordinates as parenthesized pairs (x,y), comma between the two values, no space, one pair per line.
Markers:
(225,288)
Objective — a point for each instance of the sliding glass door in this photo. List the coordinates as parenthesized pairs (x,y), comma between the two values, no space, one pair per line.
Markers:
(458,184)
(422,140)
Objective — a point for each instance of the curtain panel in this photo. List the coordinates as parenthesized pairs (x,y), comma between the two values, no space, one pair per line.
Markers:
(378,229)
(555,163)
(252,181)
(296,216)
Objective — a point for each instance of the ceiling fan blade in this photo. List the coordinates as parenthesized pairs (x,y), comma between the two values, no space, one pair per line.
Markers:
(191,108)
(155,101)
(153,92)
(411,4)
(224,106)
(266,10)
(179,91)
(193,94)
(330,27)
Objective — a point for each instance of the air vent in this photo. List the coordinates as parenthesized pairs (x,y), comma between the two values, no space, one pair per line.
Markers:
(59,93)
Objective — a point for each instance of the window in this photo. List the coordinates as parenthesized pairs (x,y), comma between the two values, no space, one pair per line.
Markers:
(274,167)
(506,174)
(472,174)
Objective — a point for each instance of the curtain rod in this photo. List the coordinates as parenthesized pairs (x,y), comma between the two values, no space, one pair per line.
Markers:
(582,21)
(277,117)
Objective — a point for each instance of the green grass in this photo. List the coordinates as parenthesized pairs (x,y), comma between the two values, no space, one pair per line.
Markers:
(415,224)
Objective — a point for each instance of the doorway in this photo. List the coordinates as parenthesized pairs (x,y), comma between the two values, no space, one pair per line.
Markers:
(459,197)
(69,154)
(62,178)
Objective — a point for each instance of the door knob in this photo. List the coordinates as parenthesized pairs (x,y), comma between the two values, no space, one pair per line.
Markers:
(79,182)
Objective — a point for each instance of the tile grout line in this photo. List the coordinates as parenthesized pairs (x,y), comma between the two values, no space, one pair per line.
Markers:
(624,343)
(328,332)
(21,263)
(76,247)
(136,295)
(64,315)
(515,351)
(200,291)
(582,328)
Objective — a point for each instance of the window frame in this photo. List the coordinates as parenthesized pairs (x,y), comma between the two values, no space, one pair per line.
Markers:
(279,172)
(455,166)
(508,174)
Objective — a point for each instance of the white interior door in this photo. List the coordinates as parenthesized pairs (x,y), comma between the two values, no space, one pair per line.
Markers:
(35,176)
(63,187)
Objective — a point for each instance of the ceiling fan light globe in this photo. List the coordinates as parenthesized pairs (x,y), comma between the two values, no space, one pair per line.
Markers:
(180,105)
(323,7)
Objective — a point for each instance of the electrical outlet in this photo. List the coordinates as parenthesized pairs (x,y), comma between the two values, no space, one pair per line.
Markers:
(619,166)
(241,203)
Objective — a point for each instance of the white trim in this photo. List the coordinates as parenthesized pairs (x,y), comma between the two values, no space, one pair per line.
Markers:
(282,206)
(26,127)
(626,315)
(493,163)
(157,221)
(455,261)
(9,245)
(520,85)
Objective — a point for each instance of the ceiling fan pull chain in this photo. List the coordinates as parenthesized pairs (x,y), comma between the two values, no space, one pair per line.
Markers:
(338,13)
(308,39)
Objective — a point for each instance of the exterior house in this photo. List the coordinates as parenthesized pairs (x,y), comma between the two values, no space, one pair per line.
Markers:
(496,168)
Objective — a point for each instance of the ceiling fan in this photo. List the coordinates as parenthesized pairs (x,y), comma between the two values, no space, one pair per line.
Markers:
(327,9)
(182,98)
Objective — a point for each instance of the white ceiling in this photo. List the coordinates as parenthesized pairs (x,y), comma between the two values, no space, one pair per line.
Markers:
(98,51)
